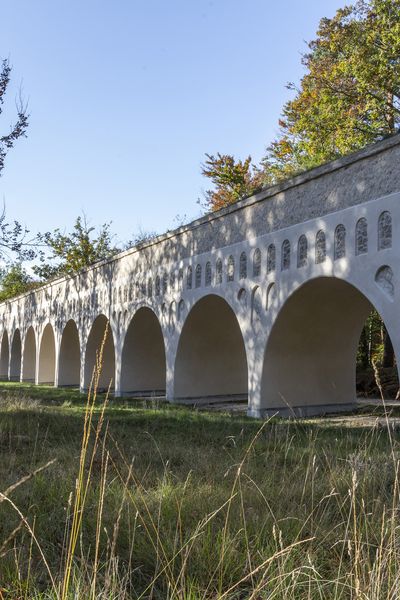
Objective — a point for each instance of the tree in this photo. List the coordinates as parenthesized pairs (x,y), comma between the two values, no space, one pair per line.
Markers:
(233,179)
(74,251)
(350,94)
(14,281)
(142,236)
(348,98)
(19,128)
(13,236)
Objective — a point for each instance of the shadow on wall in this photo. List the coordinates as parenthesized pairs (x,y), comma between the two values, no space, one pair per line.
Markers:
(29,358)
(143,367)
(70,356)
(100,331)
(211,357)
(15,359)
(310,359)
(4,356)
(47,356)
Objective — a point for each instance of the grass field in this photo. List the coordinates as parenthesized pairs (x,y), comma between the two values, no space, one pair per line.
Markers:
(180,504)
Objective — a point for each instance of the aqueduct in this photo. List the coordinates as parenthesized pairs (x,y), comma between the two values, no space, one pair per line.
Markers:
(264,300)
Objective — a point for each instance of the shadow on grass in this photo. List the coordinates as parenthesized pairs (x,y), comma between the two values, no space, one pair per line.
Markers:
(57,414)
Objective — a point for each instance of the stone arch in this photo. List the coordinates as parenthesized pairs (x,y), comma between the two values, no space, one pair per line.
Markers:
(180,278)
(172,316)
(143,363)
(320,247)
(340,242)
(285,260)
(271,258)
(230,271)
(100,333)
(218,272)
(302,251)
(271,295)
(165,283)
(4,355)
(181,310)
(211,357)
(208,277)
(29,357)
(256,306)
(47,356)
(384,280)
(69,362)
(189,277)
(243,266)
(310,357)
(384,230)
(257,263)
(15,358)
(361,237)
(198,276)
(242,298)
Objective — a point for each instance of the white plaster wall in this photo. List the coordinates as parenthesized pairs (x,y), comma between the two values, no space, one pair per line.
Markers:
(274,335)
(47,356)
(143,366)
(69,357)
(29,356)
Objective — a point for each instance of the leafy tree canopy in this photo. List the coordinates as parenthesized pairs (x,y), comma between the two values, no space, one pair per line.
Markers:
(15,280)
(348,97)
(18,129)
(141,236)
(13,236)
(233,179)
(71,252)
(350,94)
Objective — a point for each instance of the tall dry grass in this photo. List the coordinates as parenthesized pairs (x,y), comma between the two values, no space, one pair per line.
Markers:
(291,511)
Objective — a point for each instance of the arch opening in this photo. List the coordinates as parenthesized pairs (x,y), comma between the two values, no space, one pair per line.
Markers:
(211,357)
(47,357)
(310,359)
(143,364)
(15,359)
(29,357)
(100,331)
(377,373)
(4,356)
(70,357)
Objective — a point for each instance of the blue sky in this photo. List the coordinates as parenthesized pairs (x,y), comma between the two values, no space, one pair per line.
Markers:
(126,97)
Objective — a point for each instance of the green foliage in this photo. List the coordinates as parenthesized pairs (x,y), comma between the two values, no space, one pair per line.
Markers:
(233,179)
(19,128)
(13,236)
(371,342)
(142,236)
(71,252)
(14,281)
(350,94)
(348,97)
(375,344)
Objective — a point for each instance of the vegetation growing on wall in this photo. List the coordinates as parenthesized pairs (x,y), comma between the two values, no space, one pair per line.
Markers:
(15,280)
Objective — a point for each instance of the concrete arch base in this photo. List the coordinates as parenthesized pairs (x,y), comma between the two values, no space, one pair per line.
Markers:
(297,412)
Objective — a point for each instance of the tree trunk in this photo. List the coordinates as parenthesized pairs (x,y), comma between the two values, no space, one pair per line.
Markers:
(388,352)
